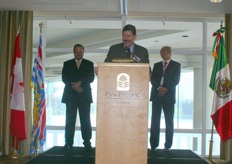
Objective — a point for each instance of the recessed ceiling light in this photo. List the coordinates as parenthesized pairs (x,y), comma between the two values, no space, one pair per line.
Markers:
(215,1)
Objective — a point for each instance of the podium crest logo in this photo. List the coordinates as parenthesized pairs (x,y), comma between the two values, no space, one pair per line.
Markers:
(123,82)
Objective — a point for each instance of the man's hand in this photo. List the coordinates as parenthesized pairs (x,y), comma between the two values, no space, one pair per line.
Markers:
(79,90)
(77,86)
(162,91)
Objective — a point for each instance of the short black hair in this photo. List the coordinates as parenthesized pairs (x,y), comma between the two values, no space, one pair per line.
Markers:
(79,45)
(129,27)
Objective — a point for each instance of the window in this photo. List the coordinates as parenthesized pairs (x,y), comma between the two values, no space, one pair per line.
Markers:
(194,98)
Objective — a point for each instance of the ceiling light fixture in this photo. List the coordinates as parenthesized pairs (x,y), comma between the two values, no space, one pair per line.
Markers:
(164,20)
(66,18)
(124,7)
(215,1)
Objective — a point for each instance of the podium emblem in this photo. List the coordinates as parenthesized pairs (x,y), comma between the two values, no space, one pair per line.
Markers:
(123,82)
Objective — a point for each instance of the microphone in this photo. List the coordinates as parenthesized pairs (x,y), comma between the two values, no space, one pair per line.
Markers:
(131,55)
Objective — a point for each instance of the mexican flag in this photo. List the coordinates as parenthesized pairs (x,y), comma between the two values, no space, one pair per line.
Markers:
(221,85)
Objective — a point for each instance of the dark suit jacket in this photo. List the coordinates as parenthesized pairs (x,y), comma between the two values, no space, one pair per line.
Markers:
(70,74)
(171,79)
(118,51)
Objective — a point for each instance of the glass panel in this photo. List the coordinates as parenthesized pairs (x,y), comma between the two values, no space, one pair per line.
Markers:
(56,138)
(216,144)
(190,141)
(184,106)
(56,110)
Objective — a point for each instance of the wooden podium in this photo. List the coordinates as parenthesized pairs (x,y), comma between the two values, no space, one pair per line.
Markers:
(122,113)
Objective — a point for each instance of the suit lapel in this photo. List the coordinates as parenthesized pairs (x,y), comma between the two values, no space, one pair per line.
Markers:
(74,64)
(123,50)
(82,64)
(169,66)
(160,68)
(135,50)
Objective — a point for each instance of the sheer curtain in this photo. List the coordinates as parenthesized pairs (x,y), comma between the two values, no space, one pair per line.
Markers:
(10,21)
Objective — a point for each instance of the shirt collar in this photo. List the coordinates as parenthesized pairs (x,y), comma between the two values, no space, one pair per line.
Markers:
(77,60)
(168,61)
(132,47)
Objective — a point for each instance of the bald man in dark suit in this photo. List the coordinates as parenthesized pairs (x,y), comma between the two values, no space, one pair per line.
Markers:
(164,79)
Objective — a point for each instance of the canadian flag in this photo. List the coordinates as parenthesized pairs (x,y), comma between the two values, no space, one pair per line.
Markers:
(17,102)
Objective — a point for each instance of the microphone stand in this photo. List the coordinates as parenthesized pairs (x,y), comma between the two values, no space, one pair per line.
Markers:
(133,56)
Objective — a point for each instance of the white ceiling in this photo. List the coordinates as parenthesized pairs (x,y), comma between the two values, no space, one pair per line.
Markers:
(163,6)
(97,25)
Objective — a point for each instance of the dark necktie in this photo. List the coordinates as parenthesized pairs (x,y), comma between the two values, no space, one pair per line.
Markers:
(165,65)
(128,52)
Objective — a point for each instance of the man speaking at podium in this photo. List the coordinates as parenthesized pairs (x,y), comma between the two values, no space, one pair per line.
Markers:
(128,49)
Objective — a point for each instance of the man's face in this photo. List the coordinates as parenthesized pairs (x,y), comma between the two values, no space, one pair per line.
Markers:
(166,55)
(128,38)
(78,53)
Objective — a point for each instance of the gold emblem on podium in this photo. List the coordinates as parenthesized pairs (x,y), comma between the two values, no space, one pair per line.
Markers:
(122,60)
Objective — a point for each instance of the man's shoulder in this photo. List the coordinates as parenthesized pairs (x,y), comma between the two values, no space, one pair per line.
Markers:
(157,63)
(70,60)
(140,47)
(175,62)
(117,45)
(87,61)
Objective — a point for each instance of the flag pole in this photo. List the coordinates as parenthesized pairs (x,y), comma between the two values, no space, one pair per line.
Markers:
(14,154)
(221,30)
(41,25)
(211,146)
(16,101)
(36,152)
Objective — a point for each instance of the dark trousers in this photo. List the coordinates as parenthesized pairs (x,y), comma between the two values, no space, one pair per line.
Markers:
(84,115)
(168,109)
